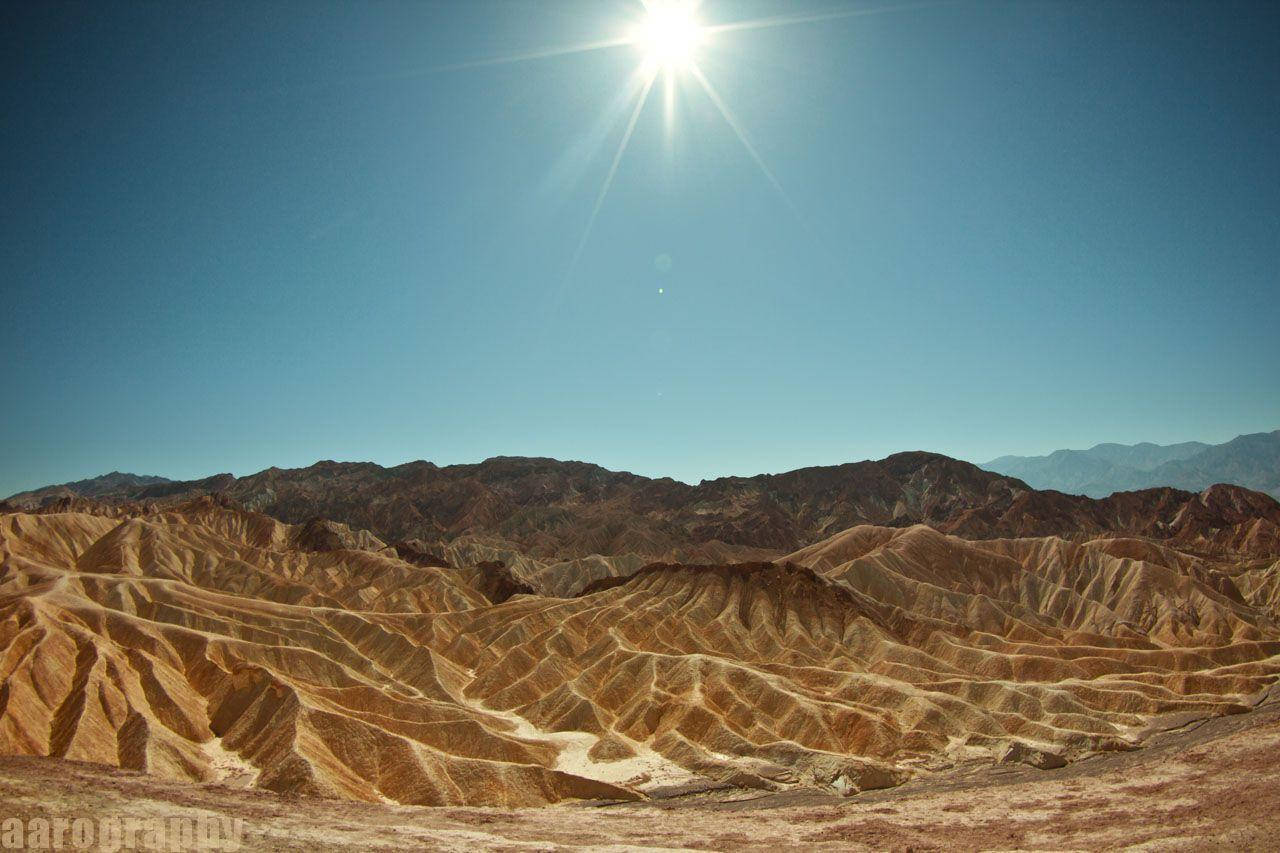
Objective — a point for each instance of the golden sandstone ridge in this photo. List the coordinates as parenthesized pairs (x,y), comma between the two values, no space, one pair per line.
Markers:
(201,641)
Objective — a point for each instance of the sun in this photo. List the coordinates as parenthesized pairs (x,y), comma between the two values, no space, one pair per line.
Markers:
(670,34)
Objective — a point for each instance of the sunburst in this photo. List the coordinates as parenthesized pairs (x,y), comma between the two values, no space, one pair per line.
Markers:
(669,36)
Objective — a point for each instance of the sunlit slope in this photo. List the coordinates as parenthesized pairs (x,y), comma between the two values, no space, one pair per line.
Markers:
(210,643)
(193,649)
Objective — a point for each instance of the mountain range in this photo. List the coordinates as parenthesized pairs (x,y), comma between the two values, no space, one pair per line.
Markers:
(1251,460)
(552,511)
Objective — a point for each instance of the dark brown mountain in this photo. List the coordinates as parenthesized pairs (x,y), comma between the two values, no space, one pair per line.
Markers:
(560,510)
(114,483)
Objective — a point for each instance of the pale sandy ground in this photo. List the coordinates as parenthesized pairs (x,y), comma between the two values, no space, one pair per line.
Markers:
(1213,785)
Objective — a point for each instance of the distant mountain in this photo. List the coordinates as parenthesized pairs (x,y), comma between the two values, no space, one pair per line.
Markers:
(1146,456)
(565,511)
(95,487)
(1252,461)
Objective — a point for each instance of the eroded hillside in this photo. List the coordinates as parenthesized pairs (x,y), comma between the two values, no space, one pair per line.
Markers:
(203,641)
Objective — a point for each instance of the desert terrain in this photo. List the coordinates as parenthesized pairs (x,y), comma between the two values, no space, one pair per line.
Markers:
(893,684)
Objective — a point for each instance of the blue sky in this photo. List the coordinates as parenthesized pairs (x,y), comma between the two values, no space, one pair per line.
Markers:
(249,234)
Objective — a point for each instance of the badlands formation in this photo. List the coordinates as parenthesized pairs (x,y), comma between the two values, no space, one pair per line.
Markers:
(194,639)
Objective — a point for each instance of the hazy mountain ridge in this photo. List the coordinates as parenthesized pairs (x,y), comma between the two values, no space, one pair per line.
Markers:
(1252,461)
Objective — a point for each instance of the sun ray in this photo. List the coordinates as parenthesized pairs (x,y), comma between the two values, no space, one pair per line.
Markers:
(411,73)
(817,17)
(649,75)
(742,135)
(669,110)
(576,157)
(533,55)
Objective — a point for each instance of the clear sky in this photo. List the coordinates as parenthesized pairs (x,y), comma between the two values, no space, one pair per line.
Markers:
(246,234)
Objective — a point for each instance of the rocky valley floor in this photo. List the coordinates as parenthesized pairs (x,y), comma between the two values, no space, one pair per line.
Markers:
(1212,785)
